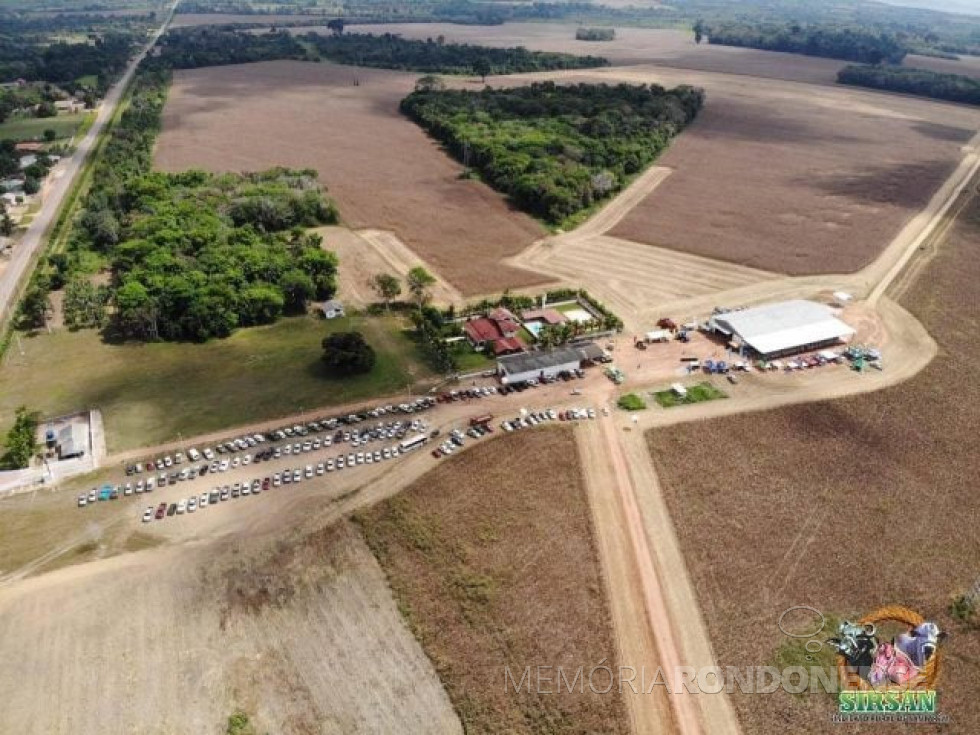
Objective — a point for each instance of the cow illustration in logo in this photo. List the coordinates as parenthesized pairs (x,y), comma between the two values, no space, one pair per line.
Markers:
(921,643)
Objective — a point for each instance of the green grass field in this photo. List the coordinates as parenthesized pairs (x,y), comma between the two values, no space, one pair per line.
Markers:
(32,128)
(470,361)
(695,394)
(148,393)
(631,402)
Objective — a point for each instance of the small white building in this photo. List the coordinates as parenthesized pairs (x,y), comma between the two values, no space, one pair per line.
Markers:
(332,309)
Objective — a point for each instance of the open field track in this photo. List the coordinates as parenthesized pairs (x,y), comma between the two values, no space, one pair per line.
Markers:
(381,169)
(613,212)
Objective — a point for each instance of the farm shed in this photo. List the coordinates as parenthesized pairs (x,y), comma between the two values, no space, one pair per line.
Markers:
(543,363)
(72,440)
(782,328)
(332,309)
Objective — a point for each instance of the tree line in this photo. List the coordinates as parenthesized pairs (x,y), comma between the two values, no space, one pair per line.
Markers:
(196,47)
(922,82)
(848,44)
(555,150)
(185,49)
(390,51)
(195,255)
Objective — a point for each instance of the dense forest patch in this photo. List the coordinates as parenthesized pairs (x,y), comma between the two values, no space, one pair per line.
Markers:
(556,150)
(195,255)
(849,44)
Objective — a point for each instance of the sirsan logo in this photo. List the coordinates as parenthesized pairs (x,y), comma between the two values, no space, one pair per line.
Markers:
(859,702)
(889,662)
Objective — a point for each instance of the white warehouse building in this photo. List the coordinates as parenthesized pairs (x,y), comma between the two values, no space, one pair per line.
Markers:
(783,328)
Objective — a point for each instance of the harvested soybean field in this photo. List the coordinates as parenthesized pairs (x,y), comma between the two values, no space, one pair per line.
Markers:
(845,506)
(382,170)
(793,178)
(497,574)
(301,633)
(631,46)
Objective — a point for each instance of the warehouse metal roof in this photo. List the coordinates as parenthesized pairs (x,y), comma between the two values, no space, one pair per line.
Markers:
(545,359)
(784,325)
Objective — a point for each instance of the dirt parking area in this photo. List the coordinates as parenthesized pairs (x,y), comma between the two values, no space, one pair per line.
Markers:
(381,168)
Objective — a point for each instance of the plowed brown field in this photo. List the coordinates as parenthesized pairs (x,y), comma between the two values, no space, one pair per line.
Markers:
(631,46)
(844,505)
(381,168)
(795,178)
(497,573)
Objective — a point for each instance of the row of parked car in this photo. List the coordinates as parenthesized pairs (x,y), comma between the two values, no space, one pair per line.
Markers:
(277,479)
(466,394)
(564,376)
(533,418)
(250,441)
(357,437)
(456,439)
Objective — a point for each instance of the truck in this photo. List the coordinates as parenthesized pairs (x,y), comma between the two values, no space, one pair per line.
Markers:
(481,420)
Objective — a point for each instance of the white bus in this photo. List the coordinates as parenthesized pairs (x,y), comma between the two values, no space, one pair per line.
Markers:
(413,442)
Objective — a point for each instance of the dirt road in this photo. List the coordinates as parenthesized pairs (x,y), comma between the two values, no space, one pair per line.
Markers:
(664,630)
(29,245)
(650,713)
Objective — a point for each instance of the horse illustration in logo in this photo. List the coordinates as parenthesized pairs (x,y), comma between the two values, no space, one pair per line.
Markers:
(909,661)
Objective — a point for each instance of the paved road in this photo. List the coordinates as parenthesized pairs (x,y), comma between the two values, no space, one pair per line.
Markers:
(32,240)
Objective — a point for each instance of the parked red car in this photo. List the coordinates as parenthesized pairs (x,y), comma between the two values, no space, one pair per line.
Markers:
(161,511)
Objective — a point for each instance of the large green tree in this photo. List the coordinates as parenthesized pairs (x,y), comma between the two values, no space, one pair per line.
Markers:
(419,281)
(347,353)
(21,442)
(387,286)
